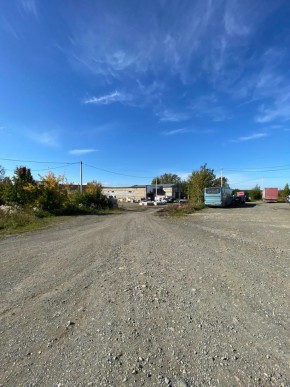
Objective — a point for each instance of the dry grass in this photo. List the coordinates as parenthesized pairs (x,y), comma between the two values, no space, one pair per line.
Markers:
(23,221)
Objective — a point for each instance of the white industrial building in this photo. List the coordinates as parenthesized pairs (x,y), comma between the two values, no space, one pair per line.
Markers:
(142,192)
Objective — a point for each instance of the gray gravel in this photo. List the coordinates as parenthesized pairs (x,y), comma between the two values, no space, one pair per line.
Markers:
(135,299)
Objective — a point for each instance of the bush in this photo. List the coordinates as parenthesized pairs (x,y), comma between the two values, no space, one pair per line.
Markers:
(16,219)
(53,193)
(92,198)
(176,210)
(255,193)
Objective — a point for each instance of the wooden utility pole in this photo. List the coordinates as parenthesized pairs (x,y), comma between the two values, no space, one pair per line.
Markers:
(81,177)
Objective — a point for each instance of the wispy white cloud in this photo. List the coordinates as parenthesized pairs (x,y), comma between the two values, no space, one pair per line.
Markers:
(172,116)
(195,48)
(108,48)
(8,28)
(47,138)
(254,136)
(29,6)
(186,130)
(234,22)
(273,88)
(79,152)
(277,111)
(210,107)
(176,131)
(115,96)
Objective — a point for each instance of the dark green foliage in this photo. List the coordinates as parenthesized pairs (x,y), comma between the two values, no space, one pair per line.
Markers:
(91,198)
(217,182)
(51,195)
(6,191)
(256,193)
(167,178)
(176,211)
(24,187)
(283,193)
(198,181)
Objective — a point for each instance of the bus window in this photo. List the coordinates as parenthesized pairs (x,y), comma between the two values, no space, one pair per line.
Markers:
(213,190)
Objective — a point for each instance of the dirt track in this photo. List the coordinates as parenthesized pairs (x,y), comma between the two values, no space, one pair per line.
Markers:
(136,299)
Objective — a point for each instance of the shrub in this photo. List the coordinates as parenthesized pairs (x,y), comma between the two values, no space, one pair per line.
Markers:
(53,192)
(16,219)
(91,198)
(176,210)
(256,193)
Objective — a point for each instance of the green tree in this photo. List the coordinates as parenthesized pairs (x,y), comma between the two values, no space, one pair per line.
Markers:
(24,187)
(256,193)
(217,182)
(286,190)
(198,181)
(92,197)
(283,193)
(6,191)
(167,178)
(53,192)
(184,188)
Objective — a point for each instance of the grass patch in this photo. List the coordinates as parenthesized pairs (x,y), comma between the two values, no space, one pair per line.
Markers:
(178,211)
(25,220)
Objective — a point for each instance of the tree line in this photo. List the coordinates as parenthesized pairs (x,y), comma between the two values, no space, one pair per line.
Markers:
(51,193)
(193,187)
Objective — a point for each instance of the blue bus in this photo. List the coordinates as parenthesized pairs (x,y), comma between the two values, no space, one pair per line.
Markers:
(218,196)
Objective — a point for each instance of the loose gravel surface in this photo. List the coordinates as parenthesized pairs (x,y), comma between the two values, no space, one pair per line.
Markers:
(135,299)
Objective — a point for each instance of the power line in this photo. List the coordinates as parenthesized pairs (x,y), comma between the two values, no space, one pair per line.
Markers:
(117,173)
(46,169)
(40,162)
(64,164)
(258,170)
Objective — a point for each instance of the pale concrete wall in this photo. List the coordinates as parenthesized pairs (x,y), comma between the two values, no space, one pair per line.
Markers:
(125,193)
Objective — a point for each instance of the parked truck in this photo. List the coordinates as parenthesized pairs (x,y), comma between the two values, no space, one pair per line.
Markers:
(242,196)
(270,195)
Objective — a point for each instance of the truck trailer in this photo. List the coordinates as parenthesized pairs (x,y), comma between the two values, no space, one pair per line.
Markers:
(270,195)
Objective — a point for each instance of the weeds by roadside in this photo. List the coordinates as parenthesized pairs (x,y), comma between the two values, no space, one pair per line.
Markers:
(178,211)
(23,221)
(20,220)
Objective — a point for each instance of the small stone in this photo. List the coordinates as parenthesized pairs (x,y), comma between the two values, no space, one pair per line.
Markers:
(167,380)
(181,383)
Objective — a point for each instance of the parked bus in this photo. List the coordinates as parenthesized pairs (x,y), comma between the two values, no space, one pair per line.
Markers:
(218,196)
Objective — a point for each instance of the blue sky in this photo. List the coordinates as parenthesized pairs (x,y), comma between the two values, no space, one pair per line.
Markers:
(136,89)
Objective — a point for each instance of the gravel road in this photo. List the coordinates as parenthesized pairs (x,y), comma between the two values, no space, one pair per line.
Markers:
(137,299)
